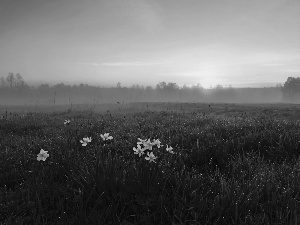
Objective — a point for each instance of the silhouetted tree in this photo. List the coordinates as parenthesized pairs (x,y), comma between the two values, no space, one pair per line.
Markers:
(198,86)
(44,87)
(10,79)
(119,85)
(3,83)
(291,89)
(161,85)
(136,86)
(172,86)
(149,88)
(219,86)
(19,82)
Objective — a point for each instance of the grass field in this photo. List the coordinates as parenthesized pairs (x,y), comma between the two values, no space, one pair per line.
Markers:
(229,164)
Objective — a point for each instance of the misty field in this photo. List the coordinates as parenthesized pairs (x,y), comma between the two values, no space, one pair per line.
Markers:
(156,163)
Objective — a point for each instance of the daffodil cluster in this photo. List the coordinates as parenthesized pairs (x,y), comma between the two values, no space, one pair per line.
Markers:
(106,137)
(144,145)
(85,141)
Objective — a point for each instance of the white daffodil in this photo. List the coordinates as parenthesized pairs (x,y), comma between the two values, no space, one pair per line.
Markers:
(150,157)
(141,141)
(67,122)
(169,149)
(148,144)
(106,137)
(139,150)
(43,155)
(85,141)
(157,143)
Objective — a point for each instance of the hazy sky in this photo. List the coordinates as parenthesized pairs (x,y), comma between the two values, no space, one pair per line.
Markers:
(101,42)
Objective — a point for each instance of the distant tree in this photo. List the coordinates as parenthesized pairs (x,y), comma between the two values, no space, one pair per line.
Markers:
(219,86)
(149,88)
(172,86)
(44,87)
(19,81)
(59,86)
(198,86)
(185,87)
(161,85)
(10,79)
(136,86)
(3,83)
(291,89)
(119,85)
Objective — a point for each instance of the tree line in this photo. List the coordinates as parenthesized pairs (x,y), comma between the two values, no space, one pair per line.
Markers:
(13,85)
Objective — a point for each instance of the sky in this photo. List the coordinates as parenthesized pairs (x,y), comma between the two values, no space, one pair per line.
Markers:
(242,43)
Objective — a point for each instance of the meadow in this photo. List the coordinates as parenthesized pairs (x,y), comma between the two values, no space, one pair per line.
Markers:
(150,163)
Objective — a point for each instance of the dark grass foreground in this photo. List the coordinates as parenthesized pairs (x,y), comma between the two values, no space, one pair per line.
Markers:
(234,169)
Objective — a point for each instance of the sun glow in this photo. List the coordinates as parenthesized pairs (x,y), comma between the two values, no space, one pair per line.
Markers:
(208,72)
(209,82)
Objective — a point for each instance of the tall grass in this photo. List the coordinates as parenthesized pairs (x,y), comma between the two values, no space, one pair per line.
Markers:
(232,169)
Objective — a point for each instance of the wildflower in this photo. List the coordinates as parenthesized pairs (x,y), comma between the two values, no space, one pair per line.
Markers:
(85,141)
(43,155)
(106,137)
(141,141)
(150,157)
(67,122)
(157,143)
(148,144)
(138,150)
(169,149)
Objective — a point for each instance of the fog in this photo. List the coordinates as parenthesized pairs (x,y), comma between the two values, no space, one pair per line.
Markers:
(61,94)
